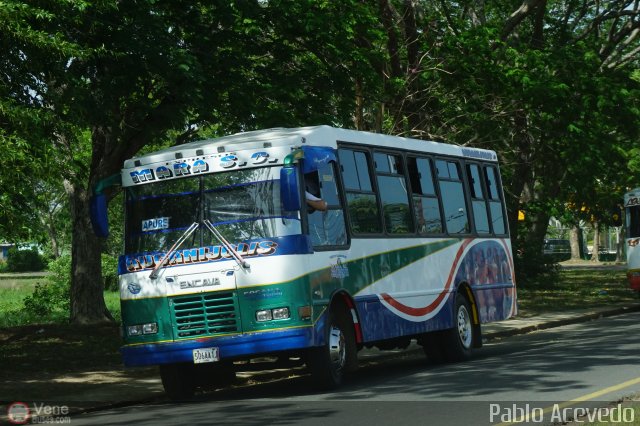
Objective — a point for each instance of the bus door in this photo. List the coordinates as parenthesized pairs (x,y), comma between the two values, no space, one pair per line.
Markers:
(325,225)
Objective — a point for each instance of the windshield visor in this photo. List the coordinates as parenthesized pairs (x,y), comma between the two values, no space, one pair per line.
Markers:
(243,205)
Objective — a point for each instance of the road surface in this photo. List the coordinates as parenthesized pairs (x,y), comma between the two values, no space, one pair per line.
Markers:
(547,373)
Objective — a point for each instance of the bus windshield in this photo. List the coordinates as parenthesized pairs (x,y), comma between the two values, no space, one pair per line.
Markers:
(242,204)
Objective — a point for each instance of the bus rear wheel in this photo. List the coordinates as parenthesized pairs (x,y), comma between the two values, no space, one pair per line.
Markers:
(329,363)
(459,341)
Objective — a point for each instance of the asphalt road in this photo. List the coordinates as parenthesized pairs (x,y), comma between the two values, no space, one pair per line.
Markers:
(542,375)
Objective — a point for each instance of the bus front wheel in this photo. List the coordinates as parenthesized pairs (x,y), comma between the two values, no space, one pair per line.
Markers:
(178,380)
(328,363)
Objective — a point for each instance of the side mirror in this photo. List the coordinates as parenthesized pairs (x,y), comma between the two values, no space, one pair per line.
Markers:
(98,205)
(99,216)
(289,189)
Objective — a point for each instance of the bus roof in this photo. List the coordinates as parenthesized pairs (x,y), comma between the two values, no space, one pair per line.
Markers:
(314,135)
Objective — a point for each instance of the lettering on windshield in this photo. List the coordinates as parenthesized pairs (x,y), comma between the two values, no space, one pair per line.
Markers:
(201,254)
(155,224)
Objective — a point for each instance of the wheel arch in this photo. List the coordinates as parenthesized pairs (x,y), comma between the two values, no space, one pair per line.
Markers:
(341,299)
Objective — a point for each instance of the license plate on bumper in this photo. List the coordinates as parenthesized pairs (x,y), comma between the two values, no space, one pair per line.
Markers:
(201,356)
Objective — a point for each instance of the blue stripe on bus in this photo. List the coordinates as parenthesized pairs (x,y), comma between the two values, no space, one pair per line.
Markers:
(380,323)
(292,244)
(494,303)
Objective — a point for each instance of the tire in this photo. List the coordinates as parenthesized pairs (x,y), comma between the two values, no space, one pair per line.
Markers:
(329,363)
(179,381)
(459,341)
(432,347)
(215,375)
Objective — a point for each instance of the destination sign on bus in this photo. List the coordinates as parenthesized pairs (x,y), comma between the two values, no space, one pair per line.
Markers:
(633,201)
(196,166)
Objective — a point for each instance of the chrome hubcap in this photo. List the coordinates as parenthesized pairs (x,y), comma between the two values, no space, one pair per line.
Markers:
(464,327)
(337,348)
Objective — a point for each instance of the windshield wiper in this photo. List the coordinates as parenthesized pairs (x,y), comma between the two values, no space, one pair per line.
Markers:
(190,230)
(238,258)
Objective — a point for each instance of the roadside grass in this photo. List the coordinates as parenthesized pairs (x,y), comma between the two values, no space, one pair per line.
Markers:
(574,289)
(621,412)
(13,291)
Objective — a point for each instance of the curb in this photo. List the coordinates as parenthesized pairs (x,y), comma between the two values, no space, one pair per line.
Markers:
(590,316)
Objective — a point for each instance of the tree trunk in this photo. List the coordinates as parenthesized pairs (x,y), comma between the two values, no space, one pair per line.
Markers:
(595,251)
(87,288)
(574,241)
(534,240)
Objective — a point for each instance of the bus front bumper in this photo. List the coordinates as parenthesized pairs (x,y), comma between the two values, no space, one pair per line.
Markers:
(229,347)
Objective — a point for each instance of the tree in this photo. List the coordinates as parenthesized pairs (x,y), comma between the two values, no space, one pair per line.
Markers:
(102,80)
(548,85)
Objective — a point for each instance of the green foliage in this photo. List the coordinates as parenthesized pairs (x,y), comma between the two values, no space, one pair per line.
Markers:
(89,84)
(52,298)
(110,272)
(24,260)
(532,266)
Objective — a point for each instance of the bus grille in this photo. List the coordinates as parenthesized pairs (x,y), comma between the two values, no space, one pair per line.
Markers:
(205,315)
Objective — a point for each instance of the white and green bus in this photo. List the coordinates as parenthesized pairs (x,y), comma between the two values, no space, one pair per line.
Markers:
(225,261)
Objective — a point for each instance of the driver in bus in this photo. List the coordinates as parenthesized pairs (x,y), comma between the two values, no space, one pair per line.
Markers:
(312,187)
(315,202)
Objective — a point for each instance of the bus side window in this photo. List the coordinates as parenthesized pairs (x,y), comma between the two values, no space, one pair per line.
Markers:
(327,228)
(425,200)
(495,204)
(453,199)
(392,188)
(361,200)
(478,203)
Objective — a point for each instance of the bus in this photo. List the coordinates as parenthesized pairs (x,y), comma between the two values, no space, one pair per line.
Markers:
(632,226)
(226,261)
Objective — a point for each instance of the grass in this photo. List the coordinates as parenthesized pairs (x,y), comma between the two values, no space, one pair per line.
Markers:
(575,289)
(12,294)
(13,291)
(612,414)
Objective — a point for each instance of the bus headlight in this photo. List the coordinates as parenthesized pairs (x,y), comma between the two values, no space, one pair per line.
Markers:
(265,315)
(280,313)
(134,330)
(150,328)
(272,314)
(140,329)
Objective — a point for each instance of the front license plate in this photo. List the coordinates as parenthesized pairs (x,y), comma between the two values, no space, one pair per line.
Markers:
(201,356)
